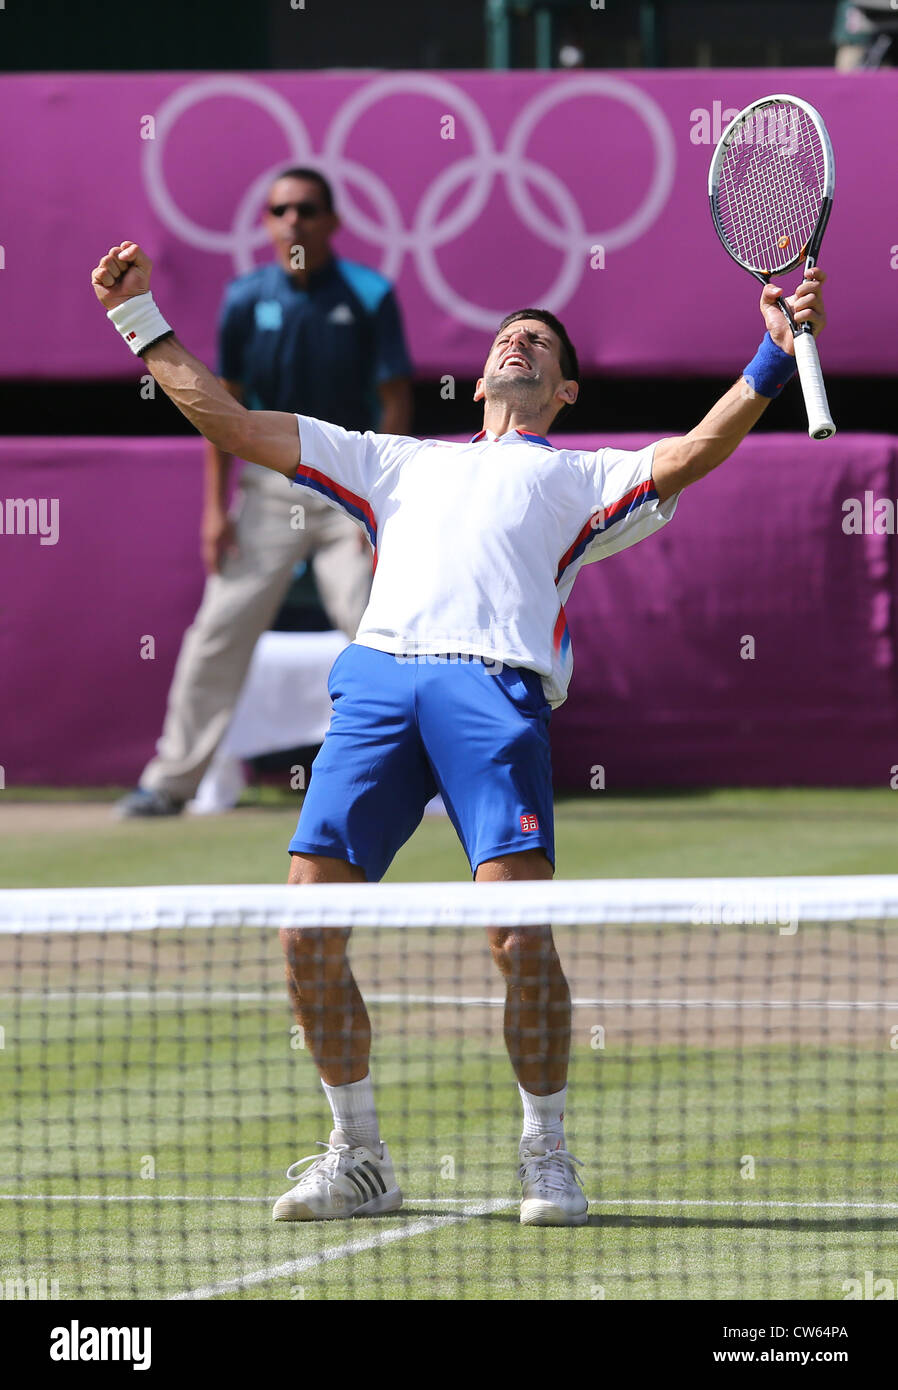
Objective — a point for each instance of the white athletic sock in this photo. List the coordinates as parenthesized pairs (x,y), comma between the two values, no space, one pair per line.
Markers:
(354,1113)
(544,1115)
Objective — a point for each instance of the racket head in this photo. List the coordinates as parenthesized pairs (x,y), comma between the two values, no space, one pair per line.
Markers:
(771,185)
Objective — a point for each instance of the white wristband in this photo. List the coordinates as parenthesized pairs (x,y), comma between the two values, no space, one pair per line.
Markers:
(139,322)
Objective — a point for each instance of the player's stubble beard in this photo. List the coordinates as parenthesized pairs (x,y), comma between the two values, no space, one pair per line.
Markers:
(521,391)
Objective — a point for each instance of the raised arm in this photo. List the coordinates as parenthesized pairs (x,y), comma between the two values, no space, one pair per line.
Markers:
(268,437)
(683,460)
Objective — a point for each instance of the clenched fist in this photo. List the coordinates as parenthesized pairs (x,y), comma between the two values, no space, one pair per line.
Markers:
(121,275)
(806,305)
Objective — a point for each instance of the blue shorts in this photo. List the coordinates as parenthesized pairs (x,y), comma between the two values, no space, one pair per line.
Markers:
(405,728)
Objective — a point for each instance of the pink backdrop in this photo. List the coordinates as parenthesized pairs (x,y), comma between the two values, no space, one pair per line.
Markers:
(660,693)
(540,169)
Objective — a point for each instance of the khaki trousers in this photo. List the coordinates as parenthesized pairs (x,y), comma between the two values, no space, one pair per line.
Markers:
(277,526)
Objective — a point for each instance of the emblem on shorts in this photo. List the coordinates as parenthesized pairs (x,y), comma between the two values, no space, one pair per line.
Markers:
(529,822)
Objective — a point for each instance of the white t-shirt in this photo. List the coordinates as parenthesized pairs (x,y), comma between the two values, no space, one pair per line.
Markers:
(476,546)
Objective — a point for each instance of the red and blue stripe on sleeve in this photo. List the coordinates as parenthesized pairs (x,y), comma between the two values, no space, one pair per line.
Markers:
(356,507)
(603,519)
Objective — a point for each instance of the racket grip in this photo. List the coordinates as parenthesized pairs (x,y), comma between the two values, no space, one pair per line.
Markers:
(820,422)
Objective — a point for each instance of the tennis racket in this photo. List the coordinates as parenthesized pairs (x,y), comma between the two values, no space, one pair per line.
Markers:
(771,189)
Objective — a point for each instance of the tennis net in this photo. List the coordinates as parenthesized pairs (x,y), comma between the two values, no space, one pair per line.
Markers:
(733,1060)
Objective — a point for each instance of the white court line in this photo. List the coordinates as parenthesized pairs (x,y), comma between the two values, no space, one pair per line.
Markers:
(119,996)
(483,1204)
(732,1202)
(339,1252)
(142,996)
(645,1003)
(121,1197)
(181,1197)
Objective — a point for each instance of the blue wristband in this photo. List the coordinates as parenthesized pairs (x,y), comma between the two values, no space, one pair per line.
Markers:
(769,369)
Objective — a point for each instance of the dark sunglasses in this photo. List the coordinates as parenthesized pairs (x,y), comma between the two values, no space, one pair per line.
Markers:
(305,210)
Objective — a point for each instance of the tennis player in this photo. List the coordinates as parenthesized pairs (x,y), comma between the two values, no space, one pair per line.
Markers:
(460,656)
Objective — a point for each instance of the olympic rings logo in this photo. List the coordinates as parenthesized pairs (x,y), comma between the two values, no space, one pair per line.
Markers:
(428,231)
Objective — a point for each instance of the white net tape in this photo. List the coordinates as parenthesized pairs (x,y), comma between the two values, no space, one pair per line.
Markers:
(685,901)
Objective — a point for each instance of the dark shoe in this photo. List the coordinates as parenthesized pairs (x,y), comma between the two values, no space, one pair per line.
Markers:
(143,802)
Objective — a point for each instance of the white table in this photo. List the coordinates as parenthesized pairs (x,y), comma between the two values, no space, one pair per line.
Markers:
(283,704)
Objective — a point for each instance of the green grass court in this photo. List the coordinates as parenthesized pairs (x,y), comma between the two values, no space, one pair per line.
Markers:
(48,844)
(187,1061)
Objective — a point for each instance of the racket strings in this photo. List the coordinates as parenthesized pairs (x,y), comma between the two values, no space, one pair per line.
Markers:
(773,210)
(771,187)
(768,175)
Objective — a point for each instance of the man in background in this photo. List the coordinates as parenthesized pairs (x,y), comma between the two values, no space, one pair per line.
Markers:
(309,333)
(865,34)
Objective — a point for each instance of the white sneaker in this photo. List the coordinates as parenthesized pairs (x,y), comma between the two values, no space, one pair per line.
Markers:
(551,1192)
(343,1181)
